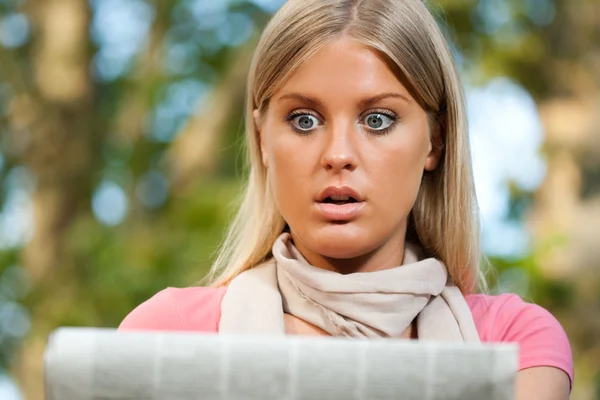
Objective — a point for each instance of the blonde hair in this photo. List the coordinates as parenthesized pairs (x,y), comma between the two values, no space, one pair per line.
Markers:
(444,220)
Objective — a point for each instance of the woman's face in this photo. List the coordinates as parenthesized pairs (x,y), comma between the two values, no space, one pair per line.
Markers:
(345,146)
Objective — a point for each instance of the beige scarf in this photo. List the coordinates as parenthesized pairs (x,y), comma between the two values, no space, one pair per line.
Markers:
(372,304)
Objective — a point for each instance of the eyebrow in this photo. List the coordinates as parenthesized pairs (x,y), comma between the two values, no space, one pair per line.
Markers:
(363,103)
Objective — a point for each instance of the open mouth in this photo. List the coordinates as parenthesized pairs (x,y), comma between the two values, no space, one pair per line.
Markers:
(340,207)
(339,200)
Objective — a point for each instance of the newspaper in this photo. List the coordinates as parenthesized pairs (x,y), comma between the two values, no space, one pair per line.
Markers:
(102,364)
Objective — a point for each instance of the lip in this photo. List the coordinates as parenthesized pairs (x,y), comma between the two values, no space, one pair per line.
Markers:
(343,212)
(340,191)
(340,212)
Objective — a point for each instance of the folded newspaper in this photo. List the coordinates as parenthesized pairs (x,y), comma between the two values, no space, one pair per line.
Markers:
(94,364)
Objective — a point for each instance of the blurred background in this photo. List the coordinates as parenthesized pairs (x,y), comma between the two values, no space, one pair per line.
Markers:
(120,135)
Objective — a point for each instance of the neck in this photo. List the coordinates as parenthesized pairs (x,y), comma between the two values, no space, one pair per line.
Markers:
(388,255)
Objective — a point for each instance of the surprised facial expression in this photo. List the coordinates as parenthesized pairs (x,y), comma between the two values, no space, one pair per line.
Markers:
(345,146)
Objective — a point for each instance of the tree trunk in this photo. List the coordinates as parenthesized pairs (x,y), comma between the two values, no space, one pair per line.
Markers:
(61,155)
(566,212)
(196,149)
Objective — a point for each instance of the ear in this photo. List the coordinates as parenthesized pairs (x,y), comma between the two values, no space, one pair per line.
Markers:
(436,148)
(261,142)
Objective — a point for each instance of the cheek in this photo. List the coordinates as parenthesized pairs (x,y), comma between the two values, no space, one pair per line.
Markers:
(287,161)
(289,175)
(399,177)
(397,172)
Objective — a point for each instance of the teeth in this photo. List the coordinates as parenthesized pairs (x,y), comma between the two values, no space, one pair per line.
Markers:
(340,198)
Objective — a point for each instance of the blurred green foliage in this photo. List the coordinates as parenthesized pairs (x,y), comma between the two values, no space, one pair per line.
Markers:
(113,143)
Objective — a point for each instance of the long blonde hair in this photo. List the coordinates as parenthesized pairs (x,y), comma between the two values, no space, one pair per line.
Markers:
(444,220)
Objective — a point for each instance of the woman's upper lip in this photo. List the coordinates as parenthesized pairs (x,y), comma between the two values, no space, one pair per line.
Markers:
(340,191)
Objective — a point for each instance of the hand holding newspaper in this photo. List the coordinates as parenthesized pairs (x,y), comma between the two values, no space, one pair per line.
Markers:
(93,364)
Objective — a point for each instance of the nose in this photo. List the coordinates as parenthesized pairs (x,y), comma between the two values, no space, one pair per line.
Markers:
(339,150)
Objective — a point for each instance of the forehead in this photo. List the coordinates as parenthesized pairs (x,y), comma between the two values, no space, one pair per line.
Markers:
(344,69)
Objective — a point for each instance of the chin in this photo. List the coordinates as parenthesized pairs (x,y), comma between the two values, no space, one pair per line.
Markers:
(340,241)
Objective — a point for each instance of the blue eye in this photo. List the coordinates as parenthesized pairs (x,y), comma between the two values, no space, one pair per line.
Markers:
(379,122)
(304,122)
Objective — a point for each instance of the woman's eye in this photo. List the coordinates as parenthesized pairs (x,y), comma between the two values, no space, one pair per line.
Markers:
(305,122)
(378,121)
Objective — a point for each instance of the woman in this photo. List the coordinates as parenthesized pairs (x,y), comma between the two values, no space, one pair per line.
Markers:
(359,217)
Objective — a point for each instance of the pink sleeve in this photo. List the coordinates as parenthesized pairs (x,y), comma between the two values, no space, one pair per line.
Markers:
(190,309)
(157,313)
(542,340)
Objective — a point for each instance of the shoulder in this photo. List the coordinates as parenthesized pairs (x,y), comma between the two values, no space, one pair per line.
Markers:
(507,318)
(188,309)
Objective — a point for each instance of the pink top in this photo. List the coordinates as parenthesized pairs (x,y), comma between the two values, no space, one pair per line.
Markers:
(504,318)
